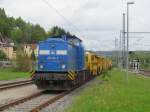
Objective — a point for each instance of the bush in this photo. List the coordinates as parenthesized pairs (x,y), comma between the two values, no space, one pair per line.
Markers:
(145,66)
(33,57)
(22,62)
(2,55)
(105,75)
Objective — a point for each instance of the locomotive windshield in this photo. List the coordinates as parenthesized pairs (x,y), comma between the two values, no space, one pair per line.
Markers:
(74,42)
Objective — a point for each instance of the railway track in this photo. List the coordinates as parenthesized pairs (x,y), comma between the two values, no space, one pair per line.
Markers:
(15,84)
(145,72)
(34,102)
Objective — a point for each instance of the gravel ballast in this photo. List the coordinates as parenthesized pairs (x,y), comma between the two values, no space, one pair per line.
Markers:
(63,103)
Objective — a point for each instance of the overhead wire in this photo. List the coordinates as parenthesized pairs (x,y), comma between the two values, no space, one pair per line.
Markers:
(63,17)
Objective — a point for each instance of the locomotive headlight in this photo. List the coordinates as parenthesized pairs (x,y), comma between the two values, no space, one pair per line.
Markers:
(41,66)
(63,66)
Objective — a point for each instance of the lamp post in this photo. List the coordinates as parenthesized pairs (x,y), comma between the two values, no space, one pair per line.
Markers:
(127,57)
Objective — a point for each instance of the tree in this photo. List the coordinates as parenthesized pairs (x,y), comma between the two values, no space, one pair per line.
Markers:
(57,31)
(27,33)
(21,31)
(22,62)
(33,57)
(20,23)
(2,55)
(4,26)
(17,35)
(38,33)
(6,23)
(2,12)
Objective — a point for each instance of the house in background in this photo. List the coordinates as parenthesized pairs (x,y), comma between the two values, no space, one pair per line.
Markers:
(7,46)
(30,48)
(8,50)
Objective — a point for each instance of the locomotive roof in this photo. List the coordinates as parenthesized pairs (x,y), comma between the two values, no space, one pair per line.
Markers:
(66,37)
(74,37)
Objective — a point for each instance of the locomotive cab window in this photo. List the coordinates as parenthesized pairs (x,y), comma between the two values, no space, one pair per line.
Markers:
(74,42)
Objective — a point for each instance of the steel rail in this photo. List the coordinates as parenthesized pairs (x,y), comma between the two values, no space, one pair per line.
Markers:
(15,84)
(53,100)
(22,100)
(44,104)
(50,101)
(145,72)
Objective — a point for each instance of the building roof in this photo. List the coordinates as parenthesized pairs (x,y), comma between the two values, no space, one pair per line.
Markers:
(5,41)
(6,45)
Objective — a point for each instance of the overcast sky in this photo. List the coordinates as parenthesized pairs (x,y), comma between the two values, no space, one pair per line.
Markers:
(97,22)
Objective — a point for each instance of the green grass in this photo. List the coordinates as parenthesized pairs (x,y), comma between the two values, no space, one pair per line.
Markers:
(8,74)
(114,95)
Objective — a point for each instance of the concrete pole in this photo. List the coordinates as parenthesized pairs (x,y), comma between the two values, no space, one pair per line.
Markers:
(120,50)
(123,42)
(127,61)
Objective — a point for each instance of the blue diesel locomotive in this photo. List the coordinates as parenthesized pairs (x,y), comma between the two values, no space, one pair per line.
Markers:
(61,63)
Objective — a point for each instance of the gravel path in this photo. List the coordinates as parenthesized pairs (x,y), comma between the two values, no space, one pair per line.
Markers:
(16,93)
(66,101)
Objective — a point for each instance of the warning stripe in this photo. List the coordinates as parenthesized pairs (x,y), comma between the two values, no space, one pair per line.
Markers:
(32,73)
(71,75)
